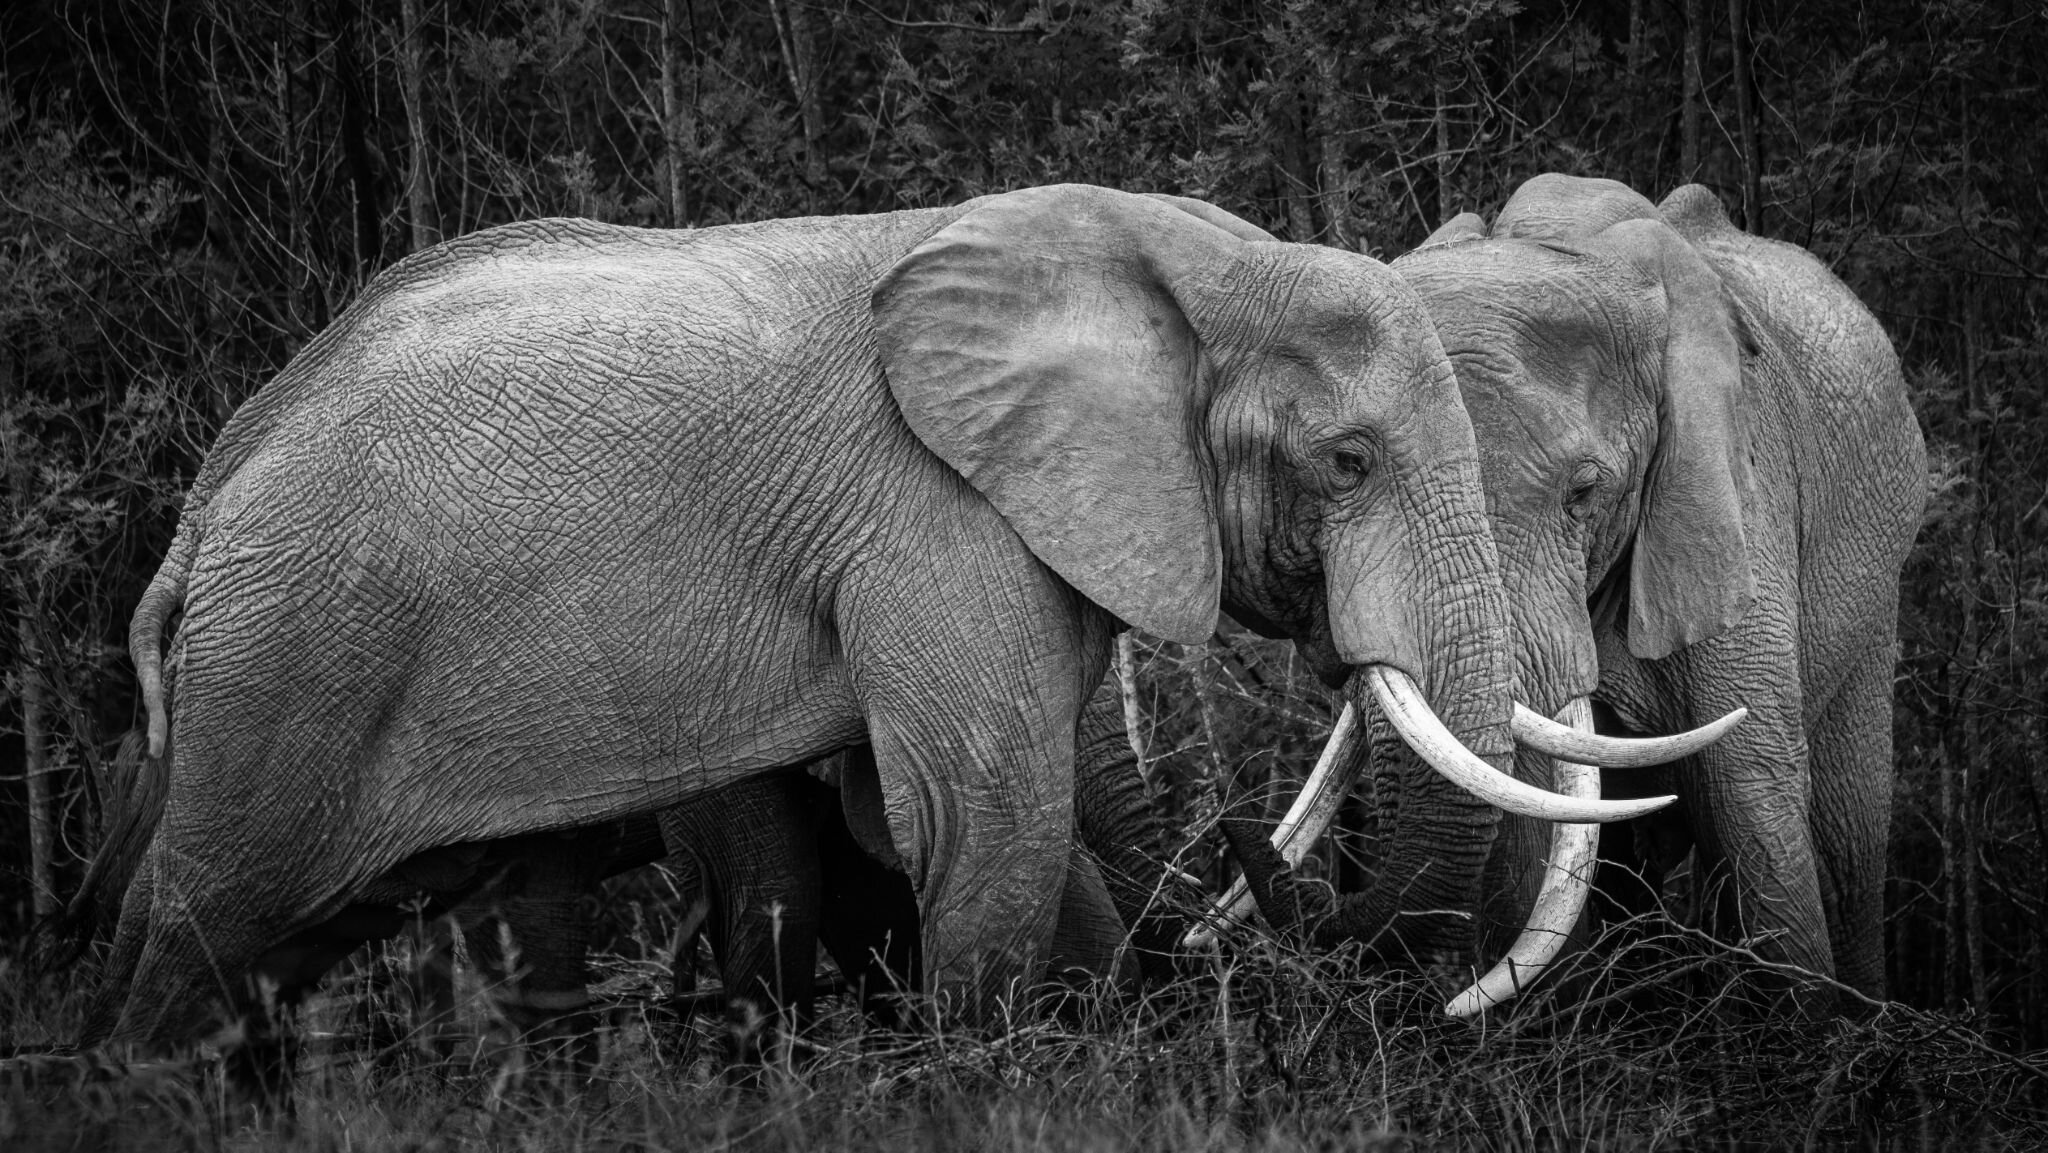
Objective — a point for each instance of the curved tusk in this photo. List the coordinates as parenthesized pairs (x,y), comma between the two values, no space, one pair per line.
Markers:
(1425,733)
(1306,821)
(1566,880)
(1589,748)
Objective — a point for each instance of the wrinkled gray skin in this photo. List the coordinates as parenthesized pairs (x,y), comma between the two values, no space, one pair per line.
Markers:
(563,523)
(1704,475)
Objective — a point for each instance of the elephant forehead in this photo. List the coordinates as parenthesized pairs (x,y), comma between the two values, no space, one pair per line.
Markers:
(1517,312)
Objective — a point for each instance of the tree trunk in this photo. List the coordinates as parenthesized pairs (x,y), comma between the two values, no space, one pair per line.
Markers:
(1336,189)
(355,140)
(1745,119)
(1635,40)
(1299,174)
(1444,205)
(1689,112)
(1974,758)
(418,192)
(793,33)
(42,833)
(672,112)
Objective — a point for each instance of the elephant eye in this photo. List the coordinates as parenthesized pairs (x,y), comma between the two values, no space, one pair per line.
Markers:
(1583,493)
(1352,463)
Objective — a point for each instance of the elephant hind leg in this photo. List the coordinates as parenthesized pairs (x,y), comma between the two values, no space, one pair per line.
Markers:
(755,846)
(1850,751)
(205,943)
(528,930)
(868,913)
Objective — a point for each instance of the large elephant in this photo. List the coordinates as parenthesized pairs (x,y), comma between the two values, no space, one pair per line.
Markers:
(1704,475)
(563,523)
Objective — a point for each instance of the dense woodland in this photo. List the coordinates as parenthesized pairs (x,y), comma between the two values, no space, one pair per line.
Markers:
(191,189)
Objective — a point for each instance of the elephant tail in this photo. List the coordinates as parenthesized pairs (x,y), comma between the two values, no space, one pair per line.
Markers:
(138,781)
(134,802)
(165,594)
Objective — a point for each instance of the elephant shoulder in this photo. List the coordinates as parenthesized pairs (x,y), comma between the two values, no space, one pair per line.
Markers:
(1791,306)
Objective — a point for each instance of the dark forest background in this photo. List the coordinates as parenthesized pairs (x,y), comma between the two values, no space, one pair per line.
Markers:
(190,189)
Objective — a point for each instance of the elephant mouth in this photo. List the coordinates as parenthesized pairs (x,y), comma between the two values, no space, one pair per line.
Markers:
(1576,810)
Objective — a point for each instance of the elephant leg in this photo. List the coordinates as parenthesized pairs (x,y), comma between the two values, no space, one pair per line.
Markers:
(409,1009)
(1748,811)
(193,950)
(117,974)
(1088,937)
(994,833)
(527,931)
(974,766)
(1850,750)
(285,973)
(755,847)
(868,916)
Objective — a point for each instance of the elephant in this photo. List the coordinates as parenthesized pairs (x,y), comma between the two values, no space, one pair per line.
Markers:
(563,523)
(1704,475)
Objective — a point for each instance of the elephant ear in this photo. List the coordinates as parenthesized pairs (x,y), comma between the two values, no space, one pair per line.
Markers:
(1462,227)
(1036,345)
(1690,577)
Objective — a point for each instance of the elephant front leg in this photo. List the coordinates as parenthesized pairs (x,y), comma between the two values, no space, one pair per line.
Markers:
(1748,804)
(970,680)
(984,834)
(1851,753)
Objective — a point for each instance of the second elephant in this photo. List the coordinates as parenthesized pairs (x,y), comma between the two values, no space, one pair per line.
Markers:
(1704,474)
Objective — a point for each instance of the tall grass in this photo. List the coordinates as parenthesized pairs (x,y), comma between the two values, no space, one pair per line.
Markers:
(1667,1043)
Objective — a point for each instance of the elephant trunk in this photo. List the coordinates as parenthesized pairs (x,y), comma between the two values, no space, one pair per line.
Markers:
(1121,825)
(1447,630)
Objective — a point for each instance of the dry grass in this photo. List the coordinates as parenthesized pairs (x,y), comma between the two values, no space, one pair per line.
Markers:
(1660,1046)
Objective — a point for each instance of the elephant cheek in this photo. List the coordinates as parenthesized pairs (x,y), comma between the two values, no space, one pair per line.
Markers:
(1557,658)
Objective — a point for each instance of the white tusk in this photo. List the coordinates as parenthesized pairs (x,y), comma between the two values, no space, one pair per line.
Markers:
(1589,748)
(1306,821)
(1567,878)
(1418,725)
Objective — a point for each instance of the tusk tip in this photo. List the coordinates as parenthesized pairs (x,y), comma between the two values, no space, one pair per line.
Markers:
(1471,1003)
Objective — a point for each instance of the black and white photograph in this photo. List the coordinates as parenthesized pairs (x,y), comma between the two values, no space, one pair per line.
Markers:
(1000,575)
